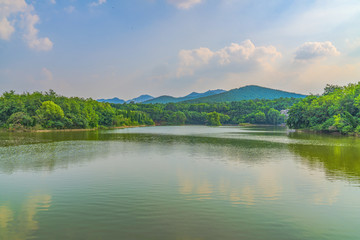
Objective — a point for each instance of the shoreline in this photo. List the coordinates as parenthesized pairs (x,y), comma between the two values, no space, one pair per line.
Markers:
(70,130)
(120,127)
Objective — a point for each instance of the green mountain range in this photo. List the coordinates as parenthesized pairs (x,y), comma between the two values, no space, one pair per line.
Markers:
(219,95)
(246,93)
(193,95)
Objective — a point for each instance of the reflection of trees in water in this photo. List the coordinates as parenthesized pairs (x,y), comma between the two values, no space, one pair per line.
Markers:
(20,223)
(49,151)
(49,156)
(338,156)
(226,149)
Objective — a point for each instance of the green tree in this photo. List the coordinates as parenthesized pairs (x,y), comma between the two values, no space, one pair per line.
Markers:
(260,117)
(273,116)
(213,119)
(50,115)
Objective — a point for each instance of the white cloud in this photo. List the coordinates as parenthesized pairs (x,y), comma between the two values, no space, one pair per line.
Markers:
(69,9)
(20,11)
(184,4)
(6,29)
(98,3)
(314,50)
(8,8)
(31,33)
(52,1)
(242,56)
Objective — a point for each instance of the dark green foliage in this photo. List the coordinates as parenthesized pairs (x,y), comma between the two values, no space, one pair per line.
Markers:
(49,110)
(337,110)
(250,111)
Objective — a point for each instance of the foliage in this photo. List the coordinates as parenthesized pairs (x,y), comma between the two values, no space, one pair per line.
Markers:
(337,110)
(49,110)
(246,111)
(213,119)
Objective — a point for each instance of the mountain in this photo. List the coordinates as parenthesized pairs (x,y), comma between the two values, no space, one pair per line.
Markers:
(246,93)
(218,95)
(112,100)
(140,99)
(193,95)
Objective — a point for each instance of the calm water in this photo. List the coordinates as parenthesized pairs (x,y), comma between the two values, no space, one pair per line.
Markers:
(186,182)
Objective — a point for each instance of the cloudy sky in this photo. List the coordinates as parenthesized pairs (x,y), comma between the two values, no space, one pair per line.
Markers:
(107,48)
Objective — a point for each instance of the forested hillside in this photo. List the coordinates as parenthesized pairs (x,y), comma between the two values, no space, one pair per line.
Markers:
(336,110)
(247,111)
(247,93)
(51,111)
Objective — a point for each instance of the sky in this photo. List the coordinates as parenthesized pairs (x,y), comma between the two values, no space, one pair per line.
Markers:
(125,48)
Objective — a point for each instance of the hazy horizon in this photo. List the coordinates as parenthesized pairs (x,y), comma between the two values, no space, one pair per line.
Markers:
(107,48)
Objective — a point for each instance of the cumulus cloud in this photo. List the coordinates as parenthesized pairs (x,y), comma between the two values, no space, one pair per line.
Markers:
(6,29)
(31,34)
(98,3)
(243,55)
(315,50)
(20,11)
(184,4)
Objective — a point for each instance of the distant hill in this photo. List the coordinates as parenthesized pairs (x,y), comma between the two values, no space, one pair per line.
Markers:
(112,100)
(140,99)
(219,95)
(247,93)
(193,95)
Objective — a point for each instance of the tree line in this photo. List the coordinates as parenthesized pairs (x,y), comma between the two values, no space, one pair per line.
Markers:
(51,111)
(336,110)
(257,111)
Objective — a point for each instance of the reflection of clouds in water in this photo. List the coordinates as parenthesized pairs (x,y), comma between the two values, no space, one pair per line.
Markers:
(315,180)
(269,183)
(199,187)
(325,197)
(263,184)
(21,224)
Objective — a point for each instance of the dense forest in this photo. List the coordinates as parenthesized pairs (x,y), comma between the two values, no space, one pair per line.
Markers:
(51,111)
(336,110)
(215,114)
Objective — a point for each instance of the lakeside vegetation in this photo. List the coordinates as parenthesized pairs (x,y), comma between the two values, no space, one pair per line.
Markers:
(336,110)
(258,111)
(50,111)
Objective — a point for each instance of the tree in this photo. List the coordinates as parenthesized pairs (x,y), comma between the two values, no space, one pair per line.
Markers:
(273,116)
(50,115)
(177,118)
(260,117)
(213,119)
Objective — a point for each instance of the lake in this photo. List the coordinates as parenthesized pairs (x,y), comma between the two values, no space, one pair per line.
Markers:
(179,182)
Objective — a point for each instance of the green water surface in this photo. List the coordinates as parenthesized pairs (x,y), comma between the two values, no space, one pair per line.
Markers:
(187,182)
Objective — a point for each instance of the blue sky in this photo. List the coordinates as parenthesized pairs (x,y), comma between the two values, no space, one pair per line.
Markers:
(107,48)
